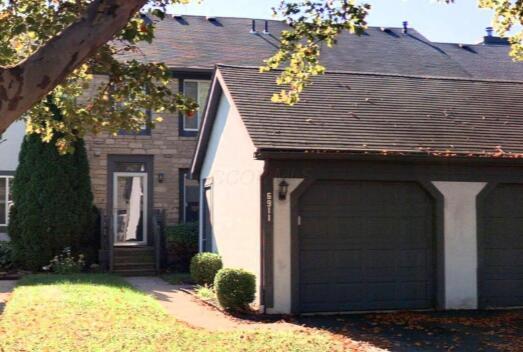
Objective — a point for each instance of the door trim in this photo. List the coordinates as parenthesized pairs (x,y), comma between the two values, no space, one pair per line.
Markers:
(437,233)
(145,221)
(148,161)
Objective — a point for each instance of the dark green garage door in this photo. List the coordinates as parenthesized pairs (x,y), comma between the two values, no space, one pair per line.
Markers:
(365,246)
(501,247)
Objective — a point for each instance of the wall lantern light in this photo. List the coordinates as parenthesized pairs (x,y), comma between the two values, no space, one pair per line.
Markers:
(161,177)
(282,192)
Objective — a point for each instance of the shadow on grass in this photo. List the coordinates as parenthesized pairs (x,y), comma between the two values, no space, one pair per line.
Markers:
(84,279)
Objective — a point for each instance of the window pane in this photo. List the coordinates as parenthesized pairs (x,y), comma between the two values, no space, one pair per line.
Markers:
(129,208)
(10,183)
(197,90)
(3,203)
(191,191)
(191,91)
(130,167)
(191,199)
(203,91)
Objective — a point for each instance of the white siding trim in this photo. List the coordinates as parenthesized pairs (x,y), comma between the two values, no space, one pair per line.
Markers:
(461,249)
(282,247)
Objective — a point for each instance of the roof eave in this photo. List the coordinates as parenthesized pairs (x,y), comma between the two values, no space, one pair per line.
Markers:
(208,121)
(290,154)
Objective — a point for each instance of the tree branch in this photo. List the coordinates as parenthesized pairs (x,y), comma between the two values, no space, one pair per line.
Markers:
(25,84)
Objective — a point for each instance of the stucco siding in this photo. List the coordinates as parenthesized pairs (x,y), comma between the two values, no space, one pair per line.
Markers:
(460,232)
(234,177)
(282,247)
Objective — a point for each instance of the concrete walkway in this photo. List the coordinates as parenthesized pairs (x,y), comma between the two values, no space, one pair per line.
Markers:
(190,310)
(6,287)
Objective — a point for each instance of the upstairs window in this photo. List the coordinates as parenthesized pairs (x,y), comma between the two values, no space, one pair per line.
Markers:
(5,199)
(198,90)
(144,130)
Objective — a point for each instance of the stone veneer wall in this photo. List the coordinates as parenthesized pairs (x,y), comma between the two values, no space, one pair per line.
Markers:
(171,152)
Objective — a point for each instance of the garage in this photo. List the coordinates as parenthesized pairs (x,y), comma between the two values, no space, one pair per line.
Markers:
(365,245)
(500,244)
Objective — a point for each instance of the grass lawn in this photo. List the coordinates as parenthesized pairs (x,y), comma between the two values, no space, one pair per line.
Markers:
(101,312)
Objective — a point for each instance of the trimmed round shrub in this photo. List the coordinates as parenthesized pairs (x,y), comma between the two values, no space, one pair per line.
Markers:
(235,288)
(204,267)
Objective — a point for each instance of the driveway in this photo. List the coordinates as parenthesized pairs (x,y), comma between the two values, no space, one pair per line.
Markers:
(436,331)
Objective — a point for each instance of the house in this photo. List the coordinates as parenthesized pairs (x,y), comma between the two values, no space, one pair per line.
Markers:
(140,180)
(10,144)
(377,191)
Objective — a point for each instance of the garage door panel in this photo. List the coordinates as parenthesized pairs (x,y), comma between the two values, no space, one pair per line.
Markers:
(412,291)
(501,247)
(382,292)
(503,293)
(501,257)
(379,238)
(503,240)
(317,295)
(350,292)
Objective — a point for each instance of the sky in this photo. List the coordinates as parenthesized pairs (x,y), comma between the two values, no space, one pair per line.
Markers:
(461,22)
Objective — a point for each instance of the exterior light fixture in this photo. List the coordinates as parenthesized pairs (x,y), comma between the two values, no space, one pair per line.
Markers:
(282,191)
(161,177)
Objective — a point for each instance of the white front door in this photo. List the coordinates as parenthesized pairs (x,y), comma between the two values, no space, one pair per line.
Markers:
(130,208)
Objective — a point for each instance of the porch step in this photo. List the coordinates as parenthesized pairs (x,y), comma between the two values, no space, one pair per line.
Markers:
(133,251)
(134,265)
(136,272)
(134,261)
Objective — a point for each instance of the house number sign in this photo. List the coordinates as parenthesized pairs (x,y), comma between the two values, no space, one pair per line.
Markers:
(269,206)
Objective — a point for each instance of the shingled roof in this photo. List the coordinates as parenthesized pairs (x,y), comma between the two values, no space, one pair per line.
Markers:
(194,42)
(484,61)
(369,113)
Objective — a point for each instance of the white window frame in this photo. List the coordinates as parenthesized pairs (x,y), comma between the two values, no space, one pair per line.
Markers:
(8,203)
(200,110)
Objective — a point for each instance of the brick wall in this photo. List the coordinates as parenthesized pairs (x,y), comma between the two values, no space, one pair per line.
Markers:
(171,153)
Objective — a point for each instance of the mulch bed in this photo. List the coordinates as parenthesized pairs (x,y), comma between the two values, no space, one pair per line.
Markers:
(250,316)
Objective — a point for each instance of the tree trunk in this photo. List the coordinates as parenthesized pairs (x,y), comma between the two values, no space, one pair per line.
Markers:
(25,84)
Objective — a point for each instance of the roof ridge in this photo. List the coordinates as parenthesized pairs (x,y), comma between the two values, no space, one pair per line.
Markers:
(378,27)
(271,19)
(443,78)
(227,17)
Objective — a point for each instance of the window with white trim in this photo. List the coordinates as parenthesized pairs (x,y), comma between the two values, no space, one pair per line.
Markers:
(5,199)
(198,91)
